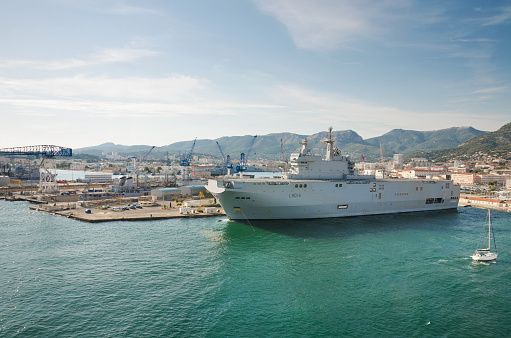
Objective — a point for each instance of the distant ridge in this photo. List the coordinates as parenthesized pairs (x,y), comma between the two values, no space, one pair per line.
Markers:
(268,146)
(495,144)
(111,147)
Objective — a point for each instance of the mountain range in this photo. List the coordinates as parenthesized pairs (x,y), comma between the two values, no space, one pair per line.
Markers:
(400,141)
(494,145)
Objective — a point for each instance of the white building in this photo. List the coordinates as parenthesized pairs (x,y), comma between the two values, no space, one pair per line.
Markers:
(424,173)
(419,162)
(98,178)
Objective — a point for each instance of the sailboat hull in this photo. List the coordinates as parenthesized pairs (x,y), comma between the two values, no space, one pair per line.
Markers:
(490,256)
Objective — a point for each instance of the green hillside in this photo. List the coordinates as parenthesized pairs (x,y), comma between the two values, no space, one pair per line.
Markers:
(399,141)
(496,144)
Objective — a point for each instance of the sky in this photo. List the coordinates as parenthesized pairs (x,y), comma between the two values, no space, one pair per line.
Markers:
(79,73)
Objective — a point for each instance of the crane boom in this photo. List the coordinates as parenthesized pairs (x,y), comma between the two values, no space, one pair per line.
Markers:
(251,146)
(147,154)
(221,152)
(227,159)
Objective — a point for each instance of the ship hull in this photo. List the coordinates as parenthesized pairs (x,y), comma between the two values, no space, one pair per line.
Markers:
(312,199)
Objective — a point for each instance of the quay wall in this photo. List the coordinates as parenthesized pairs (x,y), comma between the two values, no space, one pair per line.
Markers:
(484,203)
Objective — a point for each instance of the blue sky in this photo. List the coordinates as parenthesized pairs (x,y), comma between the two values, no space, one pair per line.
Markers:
(83,72)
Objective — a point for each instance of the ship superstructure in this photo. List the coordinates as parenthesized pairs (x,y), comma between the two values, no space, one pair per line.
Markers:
(320,188)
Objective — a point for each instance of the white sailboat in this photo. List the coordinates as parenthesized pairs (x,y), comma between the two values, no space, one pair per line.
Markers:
(486,254)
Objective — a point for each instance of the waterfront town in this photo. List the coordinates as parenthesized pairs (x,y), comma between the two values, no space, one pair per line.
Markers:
(129,188)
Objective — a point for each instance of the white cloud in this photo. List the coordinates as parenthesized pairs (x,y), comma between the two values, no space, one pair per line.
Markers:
(490,90)
(109,7)
(328,24)
(103,87)
(124,9)
(328,107)
(102,96)
(500,18)
(118,109)
(366,119)
(102,56)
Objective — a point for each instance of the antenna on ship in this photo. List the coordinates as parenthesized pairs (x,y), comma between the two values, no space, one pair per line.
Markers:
(283,156)
(382,161)
(329,145)
(381,153)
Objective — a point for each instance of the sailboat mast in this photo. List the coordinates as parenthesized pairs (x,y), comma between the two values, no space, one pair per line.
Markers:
(489,230)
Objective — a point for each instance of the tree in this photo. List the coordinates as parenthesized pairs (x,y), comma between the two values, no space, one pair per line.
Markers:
(63,165)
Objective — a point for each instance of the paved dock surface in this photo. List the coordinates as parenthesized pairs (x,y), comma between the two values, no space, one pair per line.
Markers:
(147,213)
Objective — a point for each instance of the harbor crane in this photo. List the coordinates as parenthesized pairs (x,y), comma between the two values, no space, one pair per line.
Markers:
(48,170)
(227,159)
(142,158)
(242,166)
(147,154)
(187,158)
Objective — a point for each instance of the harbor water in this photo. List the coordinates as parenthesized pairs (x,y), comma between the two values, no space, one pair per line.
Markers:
(402,275)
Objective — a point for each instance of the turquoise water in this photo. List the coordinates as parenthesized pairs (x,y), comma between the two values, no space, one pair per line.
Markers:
(396,275)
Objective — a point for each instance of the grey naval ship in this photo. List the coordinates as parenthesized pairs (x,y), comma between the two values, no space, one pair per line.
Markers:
(313,187)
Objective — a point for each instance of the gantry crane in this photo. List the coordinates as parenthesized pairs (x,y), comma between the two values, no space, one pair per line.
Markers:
(227,159)
(187,158)
(47,182)
(142,159)
(242,166)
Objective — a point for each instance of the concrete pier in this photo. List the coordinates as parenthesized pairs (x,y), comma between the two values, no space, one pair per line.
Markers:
(147,213)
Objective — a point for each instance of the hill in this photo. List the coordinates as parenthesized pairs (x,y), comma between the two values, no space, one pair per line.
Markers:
(269,147)
(110,147)
(495,145)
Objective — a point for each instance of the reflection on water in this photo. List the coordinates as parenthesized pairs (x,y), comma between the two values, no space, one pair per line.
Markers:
(345,227)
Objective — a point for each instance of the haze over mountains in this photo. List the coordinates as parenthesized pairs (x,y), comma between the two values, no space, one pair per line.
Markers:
(269,146)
